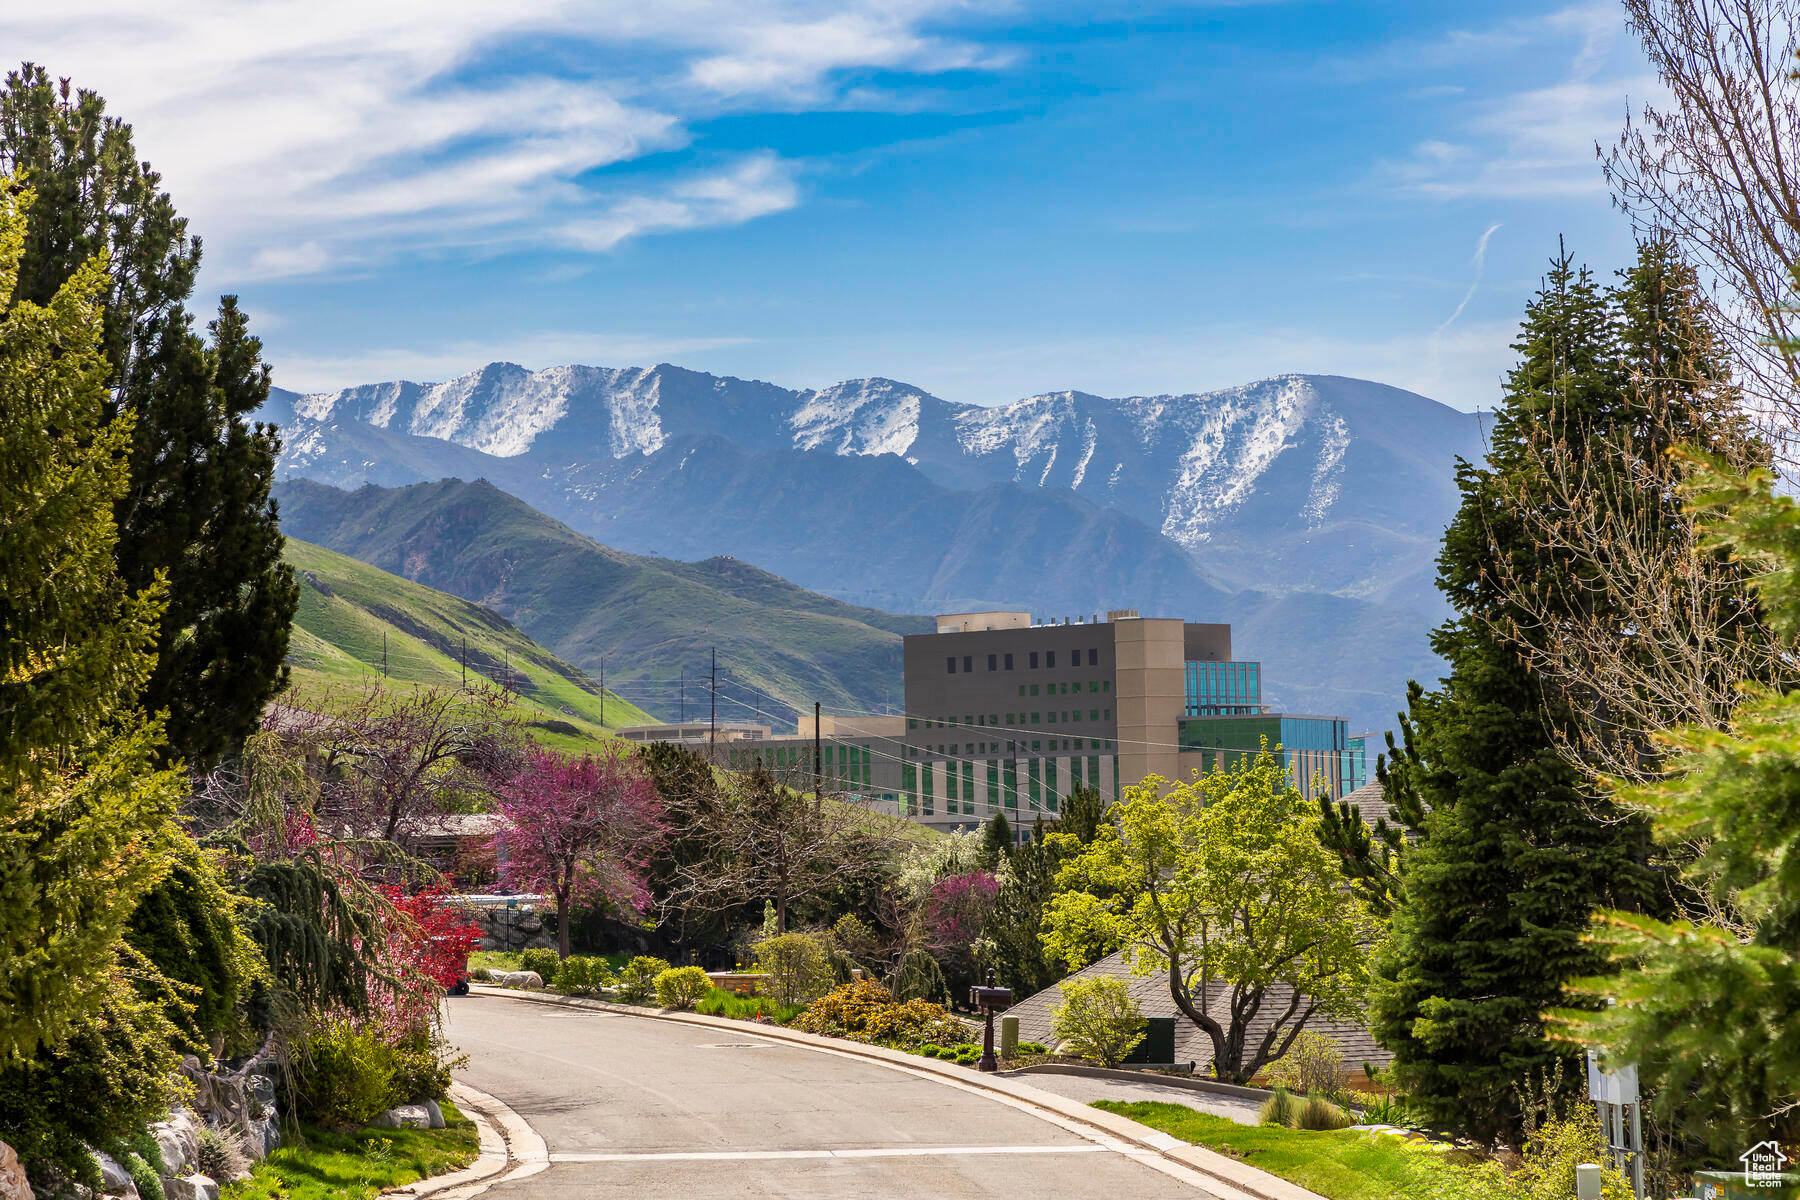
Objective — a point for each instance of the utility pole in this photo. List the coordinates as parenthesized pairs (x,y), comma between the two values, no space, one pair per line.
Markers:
(818,762)
(603,693)
(712,737)
(465,665)
(384,654)
(683,695)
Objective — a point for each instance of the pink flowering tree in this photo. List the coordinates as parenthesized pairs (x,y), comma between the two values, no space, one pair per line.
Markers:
(953,916)
(580,830)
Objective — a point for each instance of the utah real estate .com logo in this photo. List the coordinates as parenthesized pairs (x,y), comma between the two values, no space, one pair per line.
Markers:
(1763,1163)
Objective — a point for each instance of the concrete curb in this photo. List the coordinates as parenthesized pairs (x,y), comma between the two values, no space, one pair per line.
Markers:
(1189,1083)
(1215,1166)
(506,1142)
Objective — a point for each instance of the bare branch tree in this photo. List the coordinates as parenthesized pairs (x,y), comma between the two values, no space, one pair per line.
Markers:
(1720,171)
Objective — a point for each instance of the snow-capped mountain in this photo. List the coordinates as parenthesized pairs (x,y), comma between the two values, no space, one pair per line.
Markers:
(874,491)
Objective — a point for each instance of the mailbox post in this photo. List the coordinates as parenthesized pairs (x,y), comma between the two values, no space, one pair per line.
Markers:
(989,1000)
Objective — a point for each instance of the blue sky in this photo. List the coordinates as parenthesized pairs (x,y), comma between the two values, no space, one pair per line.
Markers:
(985,200)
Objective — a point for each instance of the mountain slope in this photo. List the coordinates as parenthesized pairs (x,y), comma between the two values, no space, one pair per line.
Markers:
(356,622)
(645,619)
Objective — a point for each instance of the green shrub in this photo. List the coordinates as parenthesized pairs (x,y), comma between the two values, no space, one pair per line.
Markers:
(865,1012)
(344,1077)
(144,1176)
(1098,1019)
(542,960)
(421,1069)
(582,974)
(681,987)
(1033,1048)
(720,1003)
(1279,1109)
(1312,1065)
(1551,1154)
(1320,1113)
(637,980)
(219,1154)
(799,970)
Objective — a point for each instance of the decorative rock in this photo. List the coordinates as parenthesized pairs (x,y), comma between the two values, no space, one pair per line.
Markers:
(13,1184)
(175,1138)
(114,1178)
(436,1112)
(519,979)
(403,1116)
(190,1187)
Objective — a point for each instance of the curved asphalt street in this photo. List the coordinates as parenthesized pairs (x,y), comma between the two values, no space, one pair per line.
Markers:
(631,1106)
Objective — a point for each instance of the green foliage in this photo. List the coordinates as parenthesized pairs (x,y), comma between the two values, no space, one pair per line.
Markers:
(1222,883)
(637,978)
(545,961)
(1098,1019)
(316,931)
(1012,942)
(1373,857)
(97,1086)
(197,515)
(144,1177)
(1516,853)
(1319,1113)
(1279,1109)
(1707,1010)
(720,1003)
(84,815)
(799,971)
(422,1068)
(344,1076)
(581,974)
(682,987)
(996,843)
(187,927)
(1313,1065)
(866,1012)
(1552,1153)
(965,1055)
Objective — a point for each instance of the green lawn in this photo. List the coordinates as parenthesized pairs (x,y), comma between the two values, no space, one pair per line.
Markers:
(1341,1165)
(355,1166)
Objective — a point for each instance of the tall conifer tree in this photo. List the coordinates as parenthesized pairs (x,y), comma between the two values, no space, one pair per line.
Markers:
(1516,853)
(196,511)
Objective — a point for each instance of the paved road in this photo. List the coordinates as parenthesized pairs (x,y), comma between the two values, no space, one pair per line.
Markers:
(630,1106)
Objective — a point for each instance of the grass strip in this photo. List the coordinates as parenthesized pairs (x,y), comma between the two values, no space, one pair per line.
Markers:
(359,1165)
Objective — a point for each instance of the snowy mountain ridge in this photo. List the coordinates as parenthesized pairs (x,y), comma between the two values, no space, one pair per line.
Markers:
(1184,463)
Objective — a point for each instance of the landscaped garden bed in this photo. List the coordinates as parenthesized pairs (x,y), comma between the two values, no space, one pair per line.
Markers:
(322,1165)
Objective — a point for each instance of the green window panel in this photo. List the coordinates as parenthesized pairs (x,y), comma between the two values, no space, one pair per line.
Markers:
(1034,689)
(1021,689)
(1050,789)
(950,785)
(1093,770)
(1034,719)
(968,774)
(1034,783)
(1052,719)
(1093,714)
(1106,685)
(1010,796)
(993,784)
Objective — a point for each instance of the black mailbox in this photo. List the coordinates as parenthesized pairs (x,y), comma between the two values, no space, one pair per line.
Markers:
(988,1000)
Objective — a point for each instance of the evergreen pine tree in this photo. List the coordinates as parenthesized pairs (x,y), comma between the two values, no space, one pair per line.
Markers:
(1516,853)
(197,511)
(85,822)
(996,842)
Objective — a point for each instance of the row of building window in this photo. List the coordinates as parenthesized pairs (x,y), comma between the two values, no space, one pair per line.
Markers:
(1042,792)
(1039,746)
(1095,714)
(1004,662)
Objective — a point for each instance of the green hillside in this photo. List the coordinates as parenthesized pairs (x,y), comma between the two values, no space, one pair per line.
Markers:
(780,647)
(353,618)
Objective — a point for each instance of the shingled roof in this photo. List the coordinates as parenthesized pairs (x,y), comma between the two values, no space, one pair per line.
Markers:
(1151,992)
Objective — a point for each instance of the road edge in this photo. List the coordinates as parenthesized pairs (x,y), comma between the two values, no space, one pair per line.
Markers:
(510,1149)
(1215,1166)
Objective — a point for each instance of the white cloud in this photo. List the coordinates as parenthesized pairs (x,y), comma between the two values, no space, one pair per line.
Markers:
(306,135)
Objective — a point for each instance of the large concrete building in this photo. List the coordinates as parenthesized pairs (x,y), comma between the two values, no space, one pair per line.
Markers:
(1007,714)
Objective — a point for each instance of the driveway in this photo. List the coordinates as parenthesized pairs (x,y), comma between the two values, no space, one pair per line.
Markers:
(632,1106)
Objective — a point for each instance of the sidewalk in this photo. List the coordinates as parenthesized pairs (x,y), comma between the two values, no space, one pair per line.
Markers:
(1086,1090)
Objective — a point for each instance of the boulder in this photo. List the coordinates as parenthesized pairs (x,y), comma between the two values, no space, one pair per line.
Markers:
(190,1187)
(175,1138)
(13,1184)
(519,979)
(437,1113)
(403,1116)
(114,1178)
